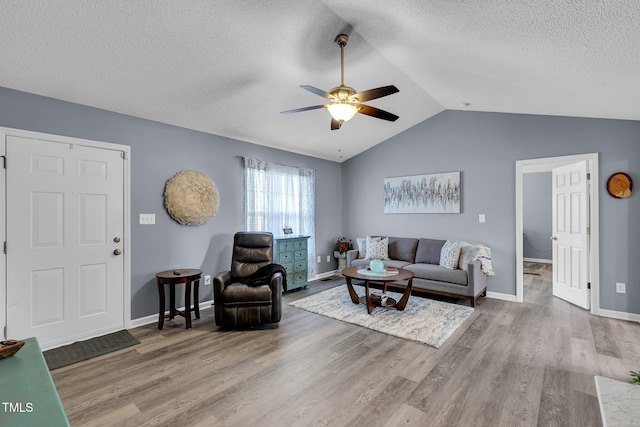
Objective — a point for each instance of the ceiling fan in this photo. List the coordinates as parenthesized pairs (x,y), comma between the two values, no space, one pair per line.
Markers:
(345,101)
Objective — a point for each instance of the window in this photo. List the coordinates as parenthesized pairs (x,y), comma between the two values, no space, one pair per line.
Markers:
(277,196)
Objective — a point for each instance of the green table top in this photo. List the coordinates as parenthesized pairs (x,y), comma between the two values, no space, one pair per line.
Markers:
(28,396)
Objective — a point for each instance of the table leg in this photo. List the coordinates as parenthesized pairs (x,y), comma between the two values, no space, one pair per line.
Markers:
(352,292)
(405,297)
(172,301)
(196,298)
(161,299)
(369,304)
(187,304)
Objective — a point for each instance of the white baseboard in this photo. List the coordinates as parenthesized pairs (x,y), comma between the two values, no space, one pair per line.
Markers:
(324,275)
(540,260)
(501,296)
(632,317)
(141,321)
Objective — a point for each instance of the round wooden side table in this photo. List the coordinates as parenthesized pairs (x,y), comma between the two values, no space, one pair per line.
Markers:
(171,278)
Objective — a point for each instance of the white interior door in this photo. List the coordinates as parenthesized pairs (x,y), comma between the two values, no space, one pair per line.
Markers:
(570,233)
(65,213)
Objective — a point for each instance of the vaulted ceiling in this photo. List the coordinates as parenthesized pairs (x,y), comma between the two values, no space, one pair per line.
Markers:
(229,67)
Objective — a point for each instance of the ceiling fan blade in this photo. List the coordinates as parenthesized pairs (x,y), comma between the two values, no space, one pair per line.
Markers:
(298,110)
(335,124)
(368,95)
(376,112)
(316,91)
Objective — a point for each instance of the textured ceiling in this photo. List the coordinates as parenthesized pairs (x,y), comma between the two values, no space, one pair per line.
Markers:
(229,67)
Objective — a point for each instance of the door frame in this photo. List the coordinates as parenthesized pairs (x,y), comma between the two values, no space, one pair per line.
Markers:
(546,164)
(126,153)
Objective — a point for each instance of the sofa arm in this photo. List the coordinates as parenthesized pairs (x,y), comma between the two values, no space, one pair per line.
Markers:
(220,281)
(477,278)
(351,255)
(276,297)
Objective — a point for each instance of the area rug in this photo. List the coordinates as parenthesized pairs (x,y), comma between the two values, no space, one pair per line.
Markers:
(423,320)
(85,350)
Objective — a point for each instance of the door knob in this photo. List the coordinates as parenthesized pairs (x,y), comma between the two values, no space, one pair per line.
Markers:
(117,251)
(116,239)
(553,238)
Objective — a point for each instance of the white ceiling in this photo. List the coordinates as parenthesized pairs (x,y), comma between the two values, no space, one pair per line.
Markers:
(228,67)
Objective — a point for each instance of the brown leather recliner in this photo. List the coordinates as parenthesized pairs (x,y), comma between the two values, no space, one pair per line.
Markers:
(245,305)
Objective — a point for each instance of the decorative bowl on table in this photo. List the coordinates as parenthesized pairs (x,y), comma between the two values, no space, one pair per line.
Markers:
(376,266)
(9,348)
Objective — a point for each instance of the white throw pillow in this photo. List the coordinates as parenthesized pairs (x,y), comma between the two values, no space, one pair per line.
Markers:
(362,247)
(377,249)
(450,254)
(468,253)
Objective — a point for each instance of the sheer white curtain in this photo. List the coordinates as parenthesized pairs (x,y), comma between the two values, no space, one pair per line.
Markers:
(276,196)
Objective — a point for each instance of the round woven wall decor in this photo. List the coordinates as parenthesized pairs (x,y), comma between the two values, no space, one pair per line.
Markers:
(191,197)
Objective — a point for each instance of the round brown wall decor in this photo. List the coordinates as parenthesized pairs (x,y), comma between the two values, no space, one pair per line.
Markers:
(619,185)
(191,197)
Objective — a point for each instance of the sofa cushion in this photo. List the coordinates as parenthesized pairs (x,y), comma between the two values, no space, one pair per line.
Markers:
(239,293)
(428,251)
(377,249)
(438,273)
(450,254)
(403,249)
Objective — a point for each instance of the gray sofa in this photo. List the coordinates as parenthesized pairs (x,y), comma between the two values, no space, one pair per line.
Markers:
(422,257)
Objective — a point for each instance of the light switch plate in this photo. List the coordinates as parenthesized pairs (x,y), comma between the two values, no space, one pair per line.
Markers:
(621,288)
(482,218)
(147,219)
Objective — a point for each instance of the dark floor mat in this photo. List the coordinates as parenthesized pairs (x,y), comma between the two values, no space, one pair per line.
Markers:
(85,350)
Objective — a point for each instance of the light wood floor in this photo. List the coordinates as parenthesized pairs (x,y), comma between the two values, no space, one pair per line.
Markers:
(510,364)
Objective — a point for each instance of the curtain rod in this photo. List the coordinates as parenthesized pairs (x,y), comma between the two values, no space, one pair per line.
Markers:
(274,163)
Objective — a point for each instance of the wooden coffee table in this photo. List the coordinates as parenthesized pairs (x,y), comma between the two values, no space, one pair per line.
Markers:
(352,273)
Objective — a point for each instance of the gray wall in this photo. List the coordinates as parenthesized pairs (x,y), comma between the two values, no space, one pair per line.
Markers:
(485,147)
(536,221)
(158,152)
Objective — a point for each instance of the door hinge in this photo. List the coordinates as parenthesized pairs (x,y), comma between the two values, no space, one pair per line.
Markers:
(588,230)
(588,285)
(588,176)
(4,162)
(5,246)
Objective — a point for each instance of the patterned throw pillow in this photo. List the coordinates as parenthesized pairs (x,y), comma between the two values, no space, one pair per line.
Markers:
(450,254)
(377,249)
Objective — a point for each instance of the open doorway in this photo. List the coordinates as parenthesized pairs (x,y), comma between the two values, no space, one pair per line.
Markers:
(547,165)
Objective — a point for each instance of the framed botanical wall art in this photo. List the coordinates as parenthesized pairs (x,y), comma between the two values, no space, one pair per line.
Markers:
(432,193)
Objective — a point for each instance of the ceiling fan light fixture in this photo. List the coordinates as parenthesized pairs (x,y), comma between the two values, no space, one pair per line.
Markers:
(342,111)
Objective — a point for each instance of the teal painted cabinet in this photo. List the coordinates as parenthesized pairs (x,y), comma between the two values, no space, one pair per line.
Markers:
(292,254)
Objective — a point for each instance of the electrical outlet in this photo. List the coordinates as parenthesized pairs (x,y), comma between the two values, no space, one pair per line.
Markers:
(147,219)
(319,259)
(482,218)
(621,288)
(328,258)
(207,280)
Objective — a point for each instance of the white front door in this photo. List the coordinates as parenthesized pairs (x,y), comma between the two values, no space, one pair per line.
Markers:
(65,213)
(570,237)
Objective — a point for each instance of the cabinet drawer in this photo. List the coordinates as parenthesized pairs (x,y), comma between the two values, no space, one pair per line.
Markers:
(300,266)
(289,267)
(285,246)
(300,277)
(285,257)
(301,255)
(300,244)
